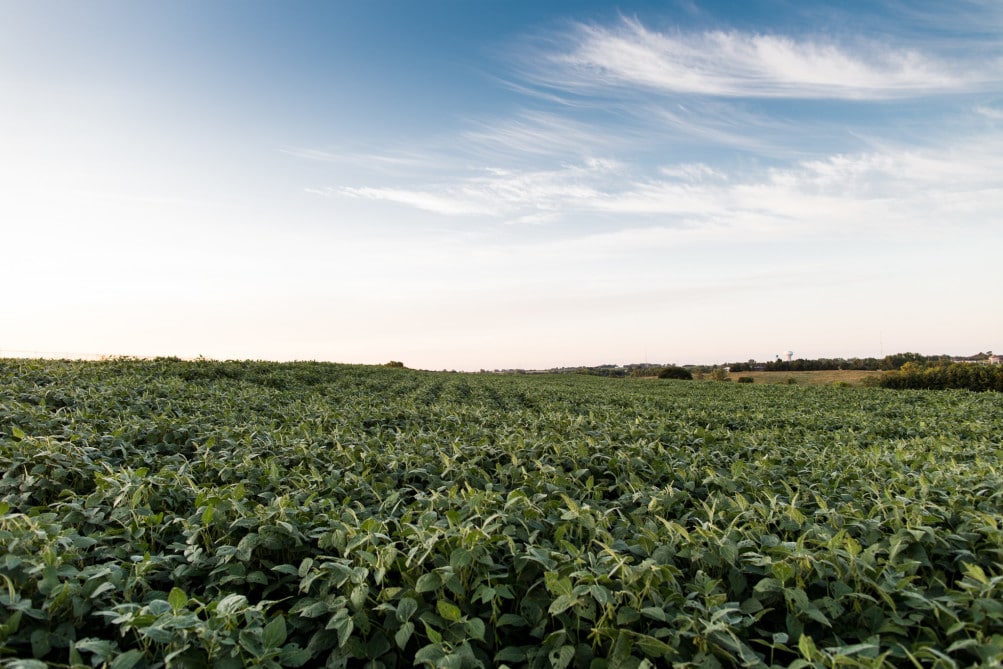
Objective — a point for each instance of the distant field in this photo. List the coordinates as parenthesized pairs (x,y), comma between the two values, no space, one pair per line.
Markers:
(822,378)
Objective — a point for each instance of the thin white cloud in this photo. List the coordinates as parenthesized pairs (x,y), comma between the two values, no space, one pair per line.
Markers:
(885,192)
(361,159)
(692,172)
(724,124)
(311,154)
(990,112)
(463,201)
(739,64)
(535,133)
(515,195)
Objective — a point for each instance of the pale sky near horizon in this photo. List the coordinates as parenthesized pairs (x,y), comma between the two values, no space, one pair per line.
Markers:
(487,184)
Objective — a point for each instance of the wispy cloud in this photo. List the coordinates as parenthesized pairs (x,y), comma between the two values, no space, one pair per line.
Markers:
(724,124)
(740,64)
(886,191)
(449,202)
(536,133)
(355,158)
(990,112)
(647,102)
(503,193)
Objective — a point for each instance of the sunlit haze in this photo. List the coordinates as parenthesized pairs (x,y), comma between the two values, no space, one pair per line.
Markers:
(470,185)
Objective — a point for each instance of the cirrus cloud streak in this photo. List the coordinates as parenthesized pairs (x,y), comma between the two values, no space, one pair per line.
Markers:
(887,191)
(730,63)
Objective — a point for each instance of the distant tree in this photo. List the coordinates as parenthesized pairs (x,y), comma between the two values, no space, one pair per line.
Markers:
(719,374)
(395,363)
(896,360)
(968,376)
(674,372)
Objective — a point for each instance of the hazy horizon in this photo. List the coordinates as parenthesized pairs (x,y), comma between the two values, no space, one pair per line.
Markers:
(492,185)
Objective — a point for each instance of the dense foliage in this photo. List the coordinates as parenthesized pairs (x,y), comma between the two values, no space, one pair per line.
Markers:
(888,362)
(938,377)
(238,514)
(675,372)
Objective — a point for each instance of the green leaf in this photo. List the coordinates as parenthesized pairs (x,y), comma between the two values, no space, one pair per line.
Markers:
(41,644)
(403,635)
(782,571)
(431,653)
(100,648)
(627,615)
(26,664)
(359,595)
(460,558)
(286,569)
(653,647)
(311,609)
(561,658)
(475,628)
(601,594)
(257,576)
(768,585)
(101,589)
(556,585)
(293,656)
(484,594)
(274,634)
(17,432)
(975,572)
(449,611)
(127,660)
(427,582)
(510,654)
(655,613)
(562,604)
(177,599)
(247,545)
(231,604)
(434,635)
(158,634)
(621,650)
(75,657)
(342,623)
(807,647)
(83,542)
(511,620)
(406,608)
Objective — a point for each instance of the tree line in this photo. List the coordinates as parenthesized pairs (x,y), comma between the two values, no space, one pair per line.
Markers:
(887,363)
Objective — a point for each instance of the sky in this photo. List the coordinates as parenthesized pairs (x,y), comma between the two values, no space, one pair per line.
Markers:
(483,184)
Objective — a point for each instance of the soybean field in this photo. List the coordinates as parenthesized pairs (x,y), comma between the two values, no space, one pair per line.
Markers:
(227,514)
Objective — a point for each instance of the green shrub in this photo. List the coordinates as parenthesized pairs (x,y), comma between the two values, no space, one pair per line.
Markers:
(967,376)
(746,379)
(675,372)
(719,374)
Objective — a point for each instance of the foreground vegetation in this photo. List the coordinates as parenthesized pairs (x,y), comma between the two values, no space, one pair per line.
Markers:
(238,514)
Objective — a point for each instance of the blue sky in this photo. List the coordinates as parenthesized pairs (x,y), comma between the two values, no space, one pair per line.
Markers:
(470,185)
